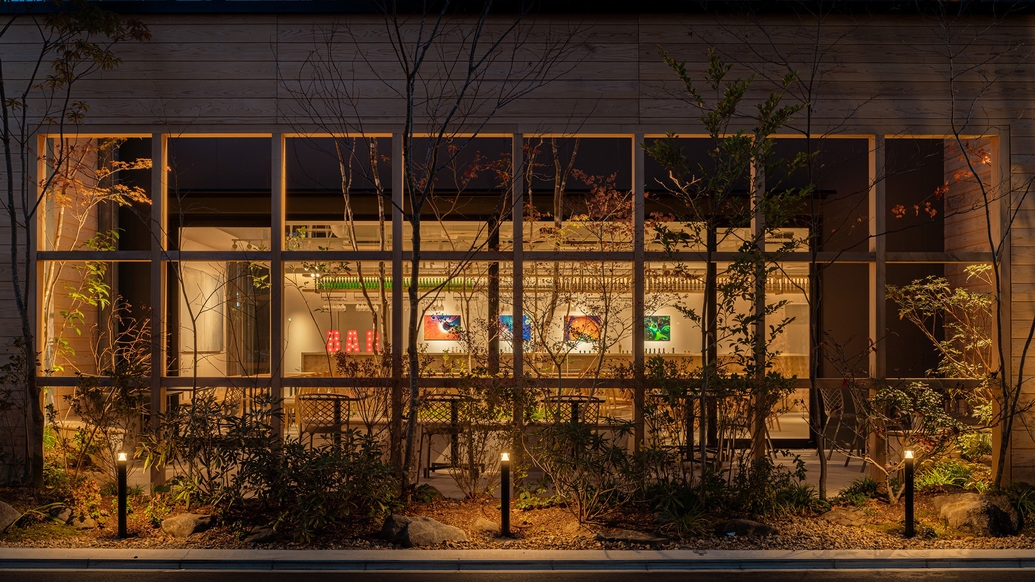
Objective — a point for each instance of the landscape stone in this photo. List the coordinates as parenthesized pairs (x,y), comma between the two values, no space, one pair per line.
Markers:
(260,535)
(846,516)
(411,532)
(747,528)
(8,515)
(62,514)
(84,522)
(485,525)
(185,524)
(981,515)
(630,536)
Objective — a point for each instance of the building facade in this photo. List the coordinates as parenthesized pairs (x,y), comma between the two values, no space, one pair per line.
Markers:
(258,161)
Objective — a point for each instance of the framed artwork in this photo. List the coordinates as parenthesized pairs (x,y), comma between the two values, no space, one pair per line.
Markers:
(657,328)
(581,328)
(507,328)
(438,328)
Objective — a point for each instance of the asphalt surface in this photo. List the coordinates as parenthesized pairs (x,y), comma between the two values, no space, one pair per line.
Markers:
(450,563)
(596,576)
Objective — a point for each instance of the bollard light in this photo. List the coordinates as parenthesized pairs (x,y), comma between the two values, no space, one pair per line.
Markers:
(505,494)
(910,530)
(122,462)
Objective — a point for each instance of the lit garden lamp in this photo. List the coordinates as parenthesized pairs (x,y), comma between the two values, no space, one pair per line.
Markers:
(505,494)
(122,462)
(910,531)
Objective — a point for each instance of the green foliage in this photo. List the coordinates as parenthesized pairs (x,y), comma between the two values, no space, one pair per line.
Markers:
(308,489)
(535,495)
(974,446)
(242,468)
(947,473)
(1023,497)
(425,493)
(678,504)
(590,469)
(957,321)
(859,492)
(158,508)
(762,489)
(713,192)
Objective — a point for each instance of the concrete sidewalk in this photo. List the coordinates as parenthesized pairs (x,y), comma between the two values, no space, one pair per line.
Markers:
(507,560)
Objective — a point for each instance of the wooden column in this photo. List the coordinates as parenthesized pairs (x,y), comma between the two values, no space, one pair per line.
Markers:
(758,227)
(639,287)
(159,239)
(278,180)
(878,276)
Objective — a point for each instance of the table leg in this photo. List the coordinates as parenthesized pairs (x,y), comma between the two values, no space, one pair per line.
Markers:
(337,422)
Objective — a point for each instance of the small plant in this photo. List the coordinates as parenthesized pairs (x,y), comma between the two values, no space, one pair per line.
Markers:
(859,492)
(589,469)
(425,493)
(974,446)
(763,488)
(1023,496)
(948,473)
(158,508)
(535,495)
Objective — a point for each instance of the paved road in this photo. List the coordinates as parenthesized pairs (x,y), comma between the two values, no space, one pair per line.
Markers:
(717,576)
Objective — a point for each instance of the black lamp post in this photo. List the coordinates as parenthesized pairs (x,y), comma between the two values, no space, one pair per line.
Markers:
(910,530)
(121,464)
(505,494)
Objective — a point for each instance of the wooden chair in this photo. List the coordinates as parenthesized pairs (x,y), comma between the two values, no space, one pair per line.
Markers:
(322,413)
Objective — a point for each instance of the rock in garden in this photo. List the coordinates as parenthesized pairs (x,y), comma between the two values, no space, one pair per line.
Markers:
(8,515)
(260,535)
(845,516)
(409,532)
(746,528)
(981,515)
(185,524)
(630,536)
(62,514)
(485,525)
(84,522)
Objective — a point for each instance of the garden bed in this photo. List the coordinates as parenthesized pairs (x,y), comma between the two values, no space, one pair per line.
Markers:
(544,528)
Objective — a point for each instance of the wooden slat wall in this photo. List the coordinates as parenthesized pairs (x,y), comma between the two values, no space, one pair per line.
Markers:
(885,75)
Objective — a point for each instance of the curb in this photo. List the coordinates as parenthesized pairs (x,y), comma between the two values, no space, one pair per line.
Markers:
(509,560)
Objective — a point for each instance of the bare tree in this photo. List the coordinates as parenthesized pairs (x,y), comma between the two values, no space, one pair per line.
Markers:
(66,44)
(449,74)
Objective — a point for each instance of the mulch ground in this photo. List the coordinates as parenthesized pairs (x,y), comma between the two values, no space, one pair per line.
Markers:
(547,528)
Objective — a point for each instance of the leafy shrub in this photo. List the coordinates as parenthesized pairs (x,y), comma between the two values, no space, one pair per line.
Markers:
(947,473)
(240,466)
(307,489)
(589,469)
(973,446)
(762,488)
(1023,497)
(535,495)
(158,508)
(859,492)
(678,503)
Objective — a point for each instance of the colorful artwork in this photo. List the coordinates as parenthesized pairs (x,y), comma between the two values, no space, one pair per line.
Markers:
(507,328)
(441,328)
(657,328)
(581,328)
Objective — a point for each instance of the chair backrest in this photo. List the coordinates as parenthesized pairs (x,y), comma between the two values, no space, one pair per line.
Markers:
(316,415)
(833,400)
